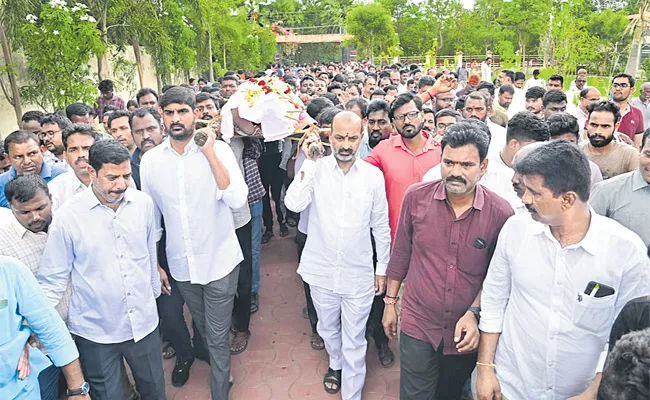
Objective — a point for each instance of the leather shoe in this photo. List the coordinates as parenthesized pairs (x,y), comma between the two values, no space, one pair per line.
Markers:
(181,372)
(386,356)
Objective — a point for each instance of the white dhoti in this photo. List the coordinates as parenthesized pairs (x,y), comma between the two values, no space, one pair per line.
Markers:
(342,325)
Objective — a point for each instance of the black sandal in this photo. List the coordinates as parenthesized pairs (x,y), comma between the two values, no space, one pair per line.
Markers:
(333,378)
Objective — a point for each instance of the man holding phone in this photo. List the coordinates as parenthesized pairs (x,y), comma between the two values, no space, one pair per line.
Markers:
(555,284)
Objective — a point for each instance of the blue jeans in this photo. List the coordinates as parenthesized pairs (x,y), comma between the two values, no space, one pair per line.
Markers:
(256,227)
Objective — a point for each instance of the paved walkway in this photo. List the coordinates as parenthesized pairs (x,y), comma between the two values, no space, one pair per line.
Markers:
(279,364)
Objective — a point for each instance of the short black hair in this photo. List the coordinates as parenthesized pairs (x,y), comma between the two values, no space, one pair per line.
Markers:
(427,110)
(370,76)
(132,103)
(230,77)
(78,109)
(629,77)
(143,112)
(360,103)
(553,96)
(446,112)
(202,96)
(327,116)
(35,115)
(378,92)
(380,105)
(403,99)
(200,80)
(510,74)
(525,126)
(562,123)
(557,77)
(645,137)
(563,166)
(118,114)
(476,95)
(106,86)
(317,105)
(519,76)
(55,118)
(109,108)
(25,187)
(389,87)
(536,92)
(307,77)
(331,97)
(107,152)
(78,129)
(507,89)
(485,85)
(468,132)
(425,80)
(20,137)
(178,95)
(334,86)
(145,91)
(606,106)
(626,375)
(166,88)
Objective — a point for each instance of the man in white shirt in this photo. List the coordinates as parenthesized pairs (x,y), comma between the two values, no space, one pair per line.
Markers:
(535,81)
(478,106)
(486,70)
(103,241)
(194,188)
(347,198)
(77,140)
(555,285)
(587,96)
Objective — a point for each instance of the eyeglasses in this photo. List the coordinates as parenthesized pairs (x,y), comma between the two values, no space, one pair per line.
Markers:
(47,134)
(411,116)
(620,85)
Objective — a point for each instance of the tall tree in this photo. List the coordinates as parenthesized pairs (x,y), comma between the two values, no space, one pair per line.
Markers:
(372,28)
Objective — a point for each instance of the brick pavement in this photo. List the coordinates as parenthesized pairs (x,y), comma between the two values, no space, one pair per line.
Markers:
(279,364)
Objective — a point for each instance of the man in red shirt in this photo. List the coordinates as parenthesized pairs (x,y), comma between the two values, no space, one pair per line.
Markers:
(404,158)
(631,123)
(446,236)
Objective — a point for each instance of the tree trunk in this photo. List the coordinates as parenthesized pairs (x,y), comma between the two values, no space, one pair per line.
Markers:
(103,64)
(15,93)
(210,69)
(159,84)
(224,56)
(138,60)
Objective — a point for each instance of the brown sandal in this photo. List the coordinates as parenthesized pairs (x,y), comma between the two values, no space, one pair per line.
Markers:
(240,342)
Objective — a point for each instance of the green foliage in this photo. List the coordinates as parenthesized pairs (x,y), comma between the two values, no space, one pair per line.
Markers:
(58,45)
(373,29)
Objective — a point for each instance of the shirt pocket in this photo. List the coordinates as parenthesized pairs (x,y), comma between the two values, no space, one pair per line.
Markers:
(359,207)
(137,244)
(594,314)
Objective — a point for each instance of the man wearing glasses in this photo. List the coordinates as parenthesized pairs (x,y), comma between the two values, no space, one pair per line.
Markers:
(404,158)
(631,122)
(51,136)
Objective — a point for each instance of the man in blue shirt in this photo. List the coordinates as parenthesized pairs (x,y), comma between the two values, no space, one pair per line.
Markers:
(23,310)
(25,156)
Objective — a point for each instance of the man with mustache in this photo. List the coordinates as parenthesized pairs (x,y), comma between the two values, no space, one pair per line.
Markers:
(25,156)
(535,101)
(77,140)
(441,304)
(632,120)
(103,243)
(404,158)
(378,126)
(194,189)
(478,107)
(51,134)
(147,132)
(612,156)
(557,280)
(120,130)
(337,258)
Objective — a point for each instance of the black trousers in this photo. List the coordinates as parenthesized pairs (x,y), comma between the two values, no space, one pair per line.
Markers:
(427,374)
(301,239)
(101,364)
(272,179)
(241,311)
(374,325)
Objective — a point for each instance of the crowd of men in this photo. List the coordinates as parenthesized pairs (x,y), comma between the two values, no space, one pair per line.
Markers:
(499,228)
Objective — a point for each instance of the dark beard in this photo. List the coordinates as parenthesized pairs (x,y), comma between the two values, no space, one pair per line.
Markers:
(413,134)
(602,143)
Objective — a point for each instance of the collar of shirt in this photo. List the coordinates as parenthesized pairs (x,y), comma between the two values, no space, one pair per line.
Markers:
(90,199)
(18,228)
(135,157)
(590,243)
(334,165)
(398,141)
(479,196)
(638,182)
(167,145)
(625,110)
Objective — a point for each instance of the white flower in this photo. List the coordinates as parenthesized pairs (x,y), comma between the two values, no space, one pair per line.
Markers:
(83,18)
(165,13)
(55,32)
(62,92)
(91,19)
(80,5)
(75,9)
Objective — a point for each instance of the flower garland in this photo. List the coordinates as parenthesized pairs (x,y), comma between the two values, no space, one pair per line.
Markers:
(254,88)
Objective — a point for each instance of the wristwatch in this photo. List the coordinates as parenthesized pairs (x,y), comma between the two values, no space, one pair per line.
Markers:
(477,312)
(82,391)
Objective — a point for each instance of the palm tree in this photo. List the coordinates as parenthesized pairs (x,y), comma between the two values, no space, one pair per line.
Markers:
(637,27)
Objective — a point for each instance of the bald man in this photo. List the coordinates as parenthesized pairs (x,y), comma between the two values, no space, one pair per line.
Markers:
(347,199)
